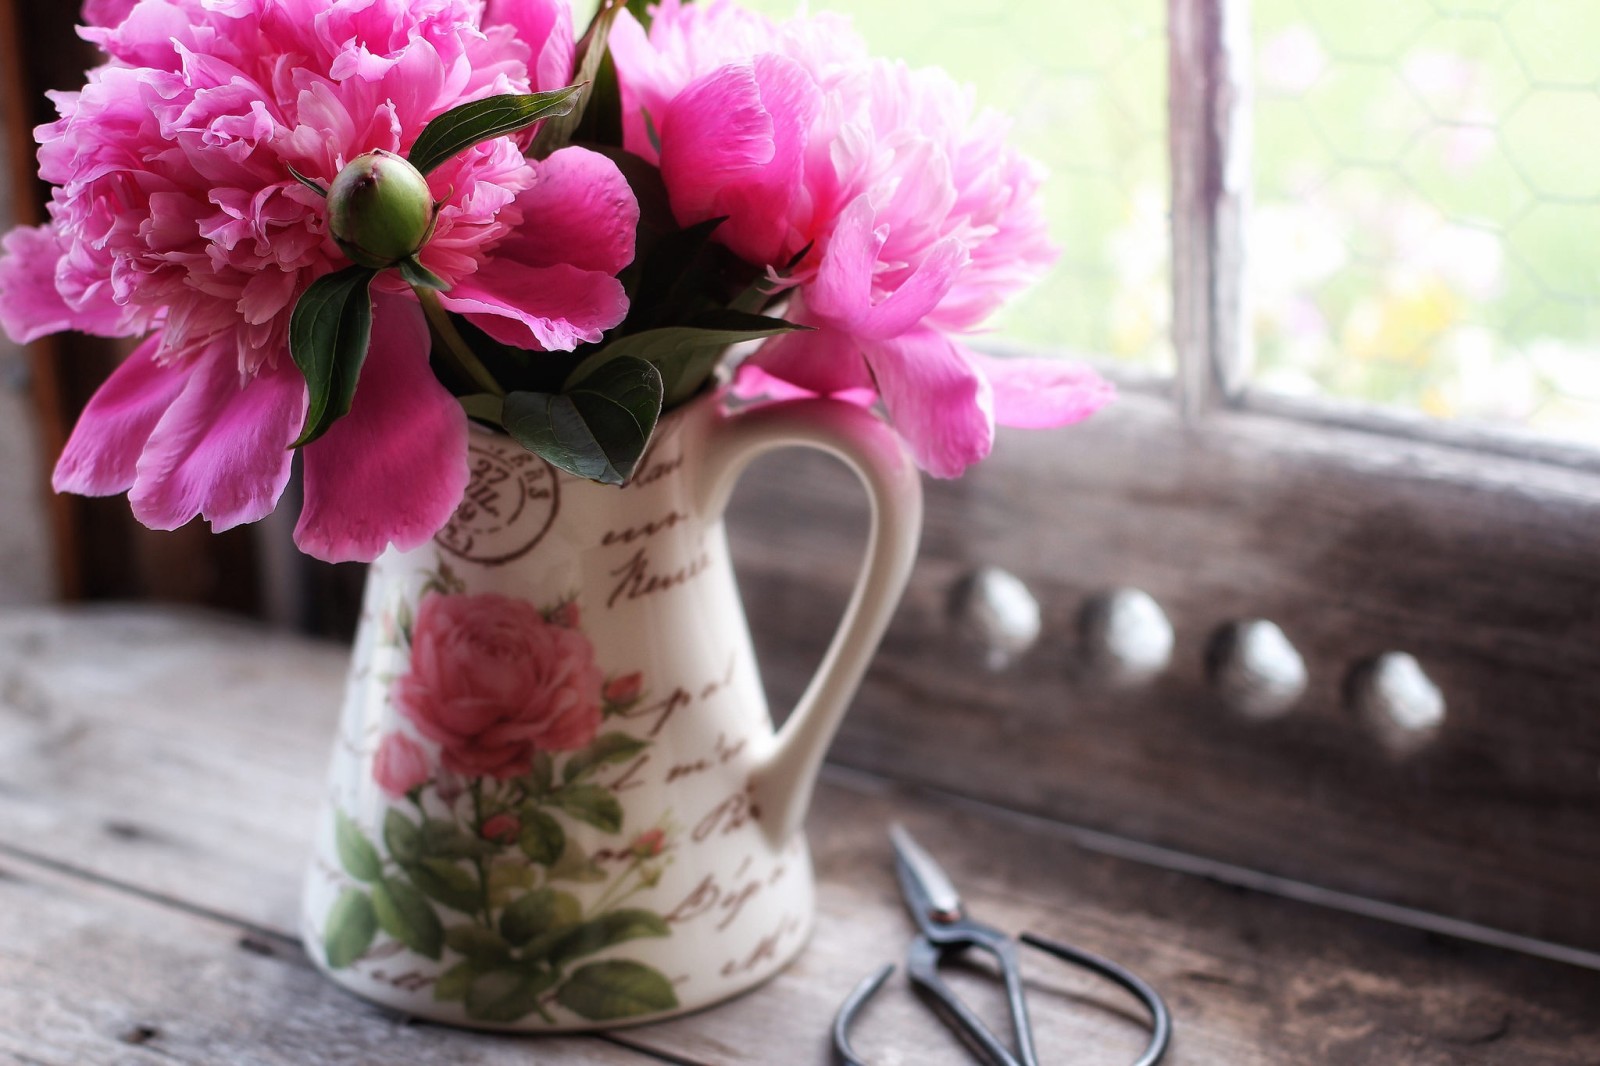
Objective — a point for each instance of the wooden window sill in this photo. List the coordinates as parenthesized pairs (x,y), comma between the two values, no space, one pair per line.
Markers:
(160,770)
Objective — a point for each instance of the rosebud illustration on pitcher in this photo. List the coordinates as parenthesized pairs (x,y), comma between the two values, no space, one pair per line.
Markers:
(476,863)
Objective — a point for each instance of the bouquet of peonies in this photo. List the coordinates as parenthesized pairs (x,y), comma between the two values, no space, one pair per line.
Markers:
(343,228)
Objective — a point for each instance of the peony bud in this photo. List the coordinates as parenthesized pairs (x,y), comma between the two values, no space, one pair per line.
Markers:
(380,209)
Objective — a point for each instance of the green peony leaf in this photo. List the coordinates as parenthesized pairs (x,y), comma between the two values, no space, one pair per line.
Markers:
(507,994)
(351,927)
(508,880)
(606,991)
(541,911)
(328,336)
(451,987)
(482,947)
(482,406)
(600,933)
(443,839)
(686,355)
(401,836)
(314,186)
(462,127)
(597,429)
(356,853)
(543,840)
(607,748)
(418,275)
(591,804)
(405,914)
(443,881)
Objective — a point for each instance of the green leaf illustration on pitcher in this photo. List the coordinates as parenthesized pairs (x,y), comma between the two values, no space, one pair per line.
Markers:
(494,776)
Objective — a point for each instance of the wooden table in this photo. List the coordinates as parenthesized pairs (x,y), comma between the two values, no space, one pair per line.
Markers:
(159,774)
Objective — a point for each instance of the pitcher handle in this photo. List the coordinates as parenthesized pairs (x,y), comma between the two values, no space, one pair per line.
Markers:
(786,771)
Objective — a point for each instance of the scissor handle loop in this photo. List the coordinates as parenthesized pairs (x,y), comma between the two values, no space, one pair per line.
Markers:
(850,1008)
(923,964)
(1160,1017)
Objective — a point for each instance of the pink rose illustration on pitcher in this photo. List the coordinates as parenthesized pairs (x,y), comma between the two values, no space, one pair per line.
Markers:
(492,682)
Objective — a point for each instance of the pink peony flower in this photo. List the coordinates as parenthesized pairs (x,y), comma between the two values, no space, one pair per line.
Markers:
(175,215)
(914,217)
(400,765)
(492,683)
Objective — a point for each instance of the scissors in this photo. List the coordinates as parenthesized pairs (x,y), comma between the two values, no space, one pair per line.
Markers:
(946,932)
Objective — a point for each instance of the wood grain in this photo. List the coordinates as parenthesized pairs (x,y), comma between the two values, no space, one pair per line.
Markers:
(158,774)
(92,974)
(1484,568)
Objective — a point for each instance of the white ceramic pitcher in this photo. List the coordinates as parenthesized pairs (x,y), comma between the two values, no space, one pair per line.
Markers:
(557,801)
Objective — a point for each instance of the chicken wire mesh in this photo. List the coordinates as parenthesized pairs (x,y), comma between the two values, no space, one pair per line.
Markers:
(1428,206)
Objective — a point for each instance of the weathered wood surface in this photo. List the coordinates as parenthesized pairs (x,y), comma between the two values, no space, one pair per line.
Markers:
(93,973)
(158,776)
(1486,569)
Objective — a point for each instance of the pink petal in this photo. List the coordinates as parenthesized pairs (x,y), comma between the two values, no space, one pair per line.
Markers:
(544,26)
(936,400)
(30,305)
(580,210)
(1042,393)
(550,308)
(733,144)
(101,454)
(843,291)
(222,449)
(106,12)
(823,361)
(394,469)
(645,83)
(720,127)
(751,382)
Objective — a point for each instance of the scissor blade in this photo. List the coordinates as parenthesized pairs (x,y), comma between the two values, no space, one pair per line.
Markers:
(927,887)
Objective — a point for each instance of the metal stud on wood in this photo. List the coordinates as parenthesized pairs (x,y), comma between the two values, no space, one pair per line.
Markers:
(1395,699)
(1124,637)
(995,610)
(1255,669)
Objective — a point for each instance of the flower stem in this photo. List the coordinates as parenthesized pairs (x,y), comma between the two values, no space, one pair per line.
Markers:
(483,868)
(439,318)
(606,900)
